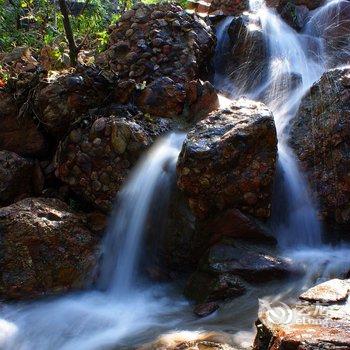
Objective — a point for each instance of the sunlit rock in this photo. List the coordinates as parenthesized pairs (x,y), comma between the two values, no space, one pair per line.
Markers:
(46,249)
(228,161)
(303,326)
(332,291)
(320,136)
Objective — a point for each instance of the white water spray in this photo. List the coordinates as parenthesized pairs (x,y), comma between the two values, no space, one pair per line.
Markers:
(151,180)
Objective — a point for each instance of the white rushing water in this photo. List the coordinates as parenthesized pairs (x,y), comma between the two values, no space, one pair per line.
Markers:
(125,310)
(102,320)
(150,181)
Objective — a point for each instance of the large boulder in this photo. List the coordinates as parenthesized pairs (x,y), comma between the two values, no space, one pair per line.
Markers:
(320,136)
(223,271)
(45,248)
(18,134)
(153,41)
(228,161)
(60,100)
(161,52)
(19,178)
(97,155)
(306,325)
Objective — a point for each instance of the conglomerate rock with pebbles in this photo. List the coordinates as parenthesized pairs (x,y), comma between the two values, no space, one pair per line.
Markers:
(97,155)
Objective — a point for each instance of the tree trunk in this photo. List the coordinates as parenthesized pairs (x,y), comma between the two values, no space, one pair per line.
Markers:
(73,49)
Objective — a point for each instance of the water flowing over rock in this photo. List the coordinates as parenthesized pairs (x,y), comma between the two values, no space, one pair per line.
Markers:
(46,248)
(320,136)
(304,326)
(228,161)
(19,177)
(97,155)
(332,24)
(243,56)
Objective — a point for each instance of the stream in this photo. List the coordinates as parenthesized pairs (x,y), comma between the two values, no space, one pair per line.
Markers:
(126,310)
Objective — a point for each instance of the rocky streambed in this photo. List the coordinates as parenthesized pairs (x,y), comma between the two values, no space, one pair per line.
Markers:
(70,139)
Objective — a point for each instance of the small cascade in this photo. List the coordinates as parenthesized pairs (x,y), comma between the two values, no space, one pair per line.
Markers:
(150,181)
(294,64)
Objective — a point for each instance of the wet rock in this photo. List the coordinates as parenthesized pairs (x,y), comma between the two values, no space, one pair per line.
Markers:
(46,249)
(96,157)
(228,161)
(310,4)
(332,291)
(331,23)
(303,326)
(191,341)
(233,223)
(61,100)
(205,287)
(227,267)
(18,134)
(241,52)
(204,310)
(254,263)
(18,178)
(320,135)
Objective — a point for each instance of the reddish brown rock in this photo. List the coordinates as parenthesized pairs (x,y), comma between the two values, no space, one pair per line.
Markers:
(19,178)
(204,287)
(320,135)
(61,100)
(226,268)
(97,155)
(153,41)
(233,223)
(46,249)
(18,134)
(303,326)
(332,291)
(228,161)
(204,310)
(159,53)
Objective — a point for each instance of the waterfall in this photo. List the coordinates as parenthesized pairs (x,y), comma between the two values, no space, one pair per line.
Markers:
(294,64)
(150,181)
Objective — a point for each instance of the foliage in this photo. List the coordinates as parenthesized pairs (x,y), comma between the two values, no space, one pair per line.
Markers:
(39,23)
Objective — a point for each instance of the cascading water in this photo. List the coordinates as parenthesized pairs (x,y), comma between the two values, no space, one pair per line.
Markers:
(96,320)
(128,311)
(153,176)
(293,68)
